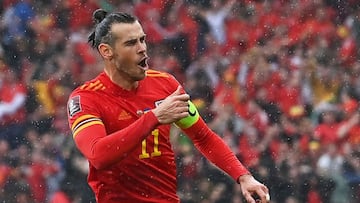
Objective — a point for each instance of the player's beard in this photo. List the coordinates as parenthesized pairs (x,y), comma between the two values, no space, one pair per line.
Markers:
(130,71)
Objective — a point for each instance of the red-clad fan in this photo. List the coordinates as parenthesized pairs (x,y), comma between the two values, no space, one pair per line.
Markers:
(12,106)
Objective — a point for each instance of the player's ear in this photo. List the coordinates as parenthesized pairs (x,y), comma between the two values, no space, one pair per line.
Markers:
(106,51)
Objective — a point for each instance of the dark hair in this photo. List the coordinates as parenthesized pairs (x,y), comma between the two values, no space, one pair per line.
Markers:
(103,22)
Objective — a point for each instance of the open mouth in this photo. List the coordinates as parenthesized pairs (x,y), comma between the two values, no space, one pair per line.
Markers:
(143,63)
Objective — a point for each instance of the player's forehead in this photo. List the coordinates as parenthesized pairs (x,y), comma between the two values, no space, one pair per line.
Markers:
(127,31)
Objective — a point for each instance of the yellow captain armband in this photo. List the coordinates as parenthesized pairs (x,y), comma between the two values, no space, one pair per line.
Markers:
(191,119)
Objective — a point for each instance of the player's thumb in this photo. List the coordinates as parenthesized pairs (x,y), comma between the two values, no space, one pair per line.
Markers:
(177,91)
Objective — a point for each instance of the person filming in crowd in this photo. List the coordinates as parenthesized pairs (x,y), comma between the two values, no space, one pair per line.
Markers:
(121,122)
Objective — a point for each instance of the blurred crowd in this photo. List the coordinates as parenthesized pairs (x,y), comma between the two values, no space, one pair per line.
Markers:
(278,80)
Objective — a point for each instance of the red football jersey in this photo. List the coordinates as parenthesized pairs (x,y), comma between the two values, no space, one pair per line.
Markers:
(129,152)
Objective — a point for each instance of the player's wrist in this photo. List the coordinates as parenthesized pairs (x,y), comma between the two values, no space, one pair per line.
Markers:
(154,117)
(244,177)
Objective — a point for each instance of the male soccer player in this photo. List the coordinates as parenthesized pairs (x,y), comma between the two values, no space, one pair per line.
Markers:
(121,121)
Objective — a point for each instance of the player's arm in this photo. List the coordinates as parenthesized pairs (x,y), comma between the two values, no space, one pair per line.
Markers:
(103,150)
(216,150)
(210,144)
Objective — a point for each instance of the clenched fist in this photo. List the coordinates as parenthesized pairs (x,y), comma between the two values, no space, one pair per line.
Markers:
(173,108)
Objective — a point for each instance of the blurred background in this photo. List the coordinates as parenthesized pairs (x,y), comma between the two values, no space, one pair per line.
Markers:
(278,80)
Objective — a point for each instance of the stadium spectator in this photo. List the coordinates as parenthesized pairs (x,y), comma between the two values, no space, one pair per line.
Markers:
(12,106)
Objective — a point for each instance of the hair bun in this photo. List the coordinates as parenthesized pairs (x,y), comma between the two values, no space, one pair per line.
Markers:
(99,15)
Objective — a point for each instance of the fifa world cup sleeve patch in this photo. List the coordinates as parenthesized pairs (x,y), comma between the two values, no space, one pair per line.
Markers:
(193,117)
(74,106)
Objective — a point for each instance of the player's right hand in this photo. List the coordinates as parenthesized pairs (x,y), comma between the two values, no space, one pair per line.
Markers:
(173,108)
(253,190)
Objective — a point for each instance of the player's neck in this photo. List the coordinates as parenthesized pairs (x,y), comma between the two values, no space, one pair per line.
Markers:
(122,82)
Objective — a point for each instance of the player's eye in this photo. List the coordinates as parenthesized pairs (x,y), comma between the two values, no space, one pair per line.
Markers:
(131,42)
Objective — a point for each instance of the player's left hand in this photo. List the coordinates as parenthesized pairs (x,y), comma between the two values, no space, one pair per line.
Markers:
(250,188)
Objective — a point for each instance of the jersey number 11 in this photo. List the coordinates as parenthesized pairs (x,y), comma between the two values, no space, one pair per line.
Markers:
(144,154)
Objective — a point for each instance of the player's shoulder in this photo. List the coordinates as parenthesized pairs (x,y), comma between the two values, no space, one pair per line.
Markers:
(151,73)
(90,87)
(159,76)
(84,94)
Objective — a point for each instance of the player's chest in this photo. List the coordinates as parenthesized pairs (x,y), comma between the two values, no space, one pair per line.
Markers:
(120,112)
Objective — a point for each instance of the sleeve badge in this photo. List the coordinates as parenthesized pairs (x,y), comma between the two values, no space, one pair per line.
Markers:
(74,106)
